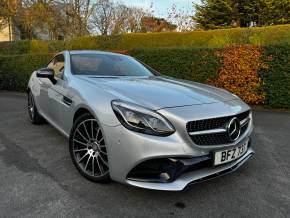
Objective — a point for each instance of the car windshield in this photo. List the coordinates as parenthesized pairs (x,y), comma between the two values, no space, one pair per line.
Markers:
(108,65)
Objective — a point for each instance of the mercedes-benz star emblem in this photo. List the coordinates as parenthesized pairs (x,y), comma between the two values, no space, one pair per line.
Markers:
(234,129)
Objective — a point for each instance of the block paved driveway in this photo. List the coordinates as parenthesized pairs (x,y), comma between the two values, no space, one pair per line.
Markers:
(37,178)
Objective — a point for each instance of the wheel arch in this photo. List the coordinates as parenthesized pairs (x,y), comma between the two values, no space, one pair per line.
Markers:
(80,111)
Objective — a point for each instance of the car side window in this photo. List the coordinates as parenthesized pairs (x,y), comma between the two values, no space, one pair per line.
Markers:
(57,64)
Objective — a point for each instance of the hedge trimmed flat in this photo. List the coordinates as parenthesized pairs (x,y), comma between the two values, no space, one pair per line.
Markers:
(128,123)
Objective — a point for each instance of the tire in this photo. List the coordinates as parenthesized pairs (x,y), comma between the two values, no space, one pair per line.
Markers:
(88,150)
(34,116)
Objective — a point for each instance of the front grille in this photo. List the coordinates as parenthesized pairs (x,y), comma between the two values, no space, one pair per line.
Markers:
(214,123)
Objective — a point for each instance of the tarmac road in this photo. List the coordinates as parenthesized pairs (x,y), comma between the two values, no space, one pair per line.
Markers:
(38,179)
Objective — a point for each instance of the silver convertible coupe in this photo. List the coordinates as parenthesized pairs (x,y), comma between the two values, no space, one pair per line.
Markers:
(128,123)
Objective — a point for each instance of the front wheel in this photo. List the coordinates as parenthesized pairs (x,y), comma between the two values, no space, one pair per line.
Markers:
(88,149)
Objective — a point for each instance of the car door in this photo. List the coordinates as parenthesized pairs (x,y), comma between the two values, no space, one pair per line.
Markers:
(50,96)
(60,96)
(45,105)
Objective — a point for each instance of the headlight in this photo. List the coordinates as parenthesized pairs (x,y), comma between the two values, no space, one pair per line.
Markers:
(139,119)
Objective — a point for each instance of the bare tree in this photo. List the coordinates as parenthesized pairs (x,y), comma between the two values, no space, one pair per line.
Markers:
(120,21)
(77,14)
(115,18)
(135,18)
(69,18)
(103,16)
(181,19)
(73,18)
(128,19)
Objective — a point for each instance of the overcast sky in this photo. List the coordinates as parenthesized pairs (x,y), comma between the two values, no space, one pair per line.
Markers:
(162,6)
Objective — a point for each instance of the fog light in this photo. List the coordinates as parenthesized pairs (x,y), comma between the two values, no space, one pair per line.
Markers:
(164,176)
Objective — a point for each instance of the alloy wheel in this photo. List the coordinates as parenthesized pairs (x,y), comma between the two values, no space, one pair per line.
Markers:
(89,148)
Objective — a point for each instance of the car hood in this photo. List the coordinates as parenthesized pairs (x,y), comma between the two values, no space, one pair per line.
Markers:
(160,92)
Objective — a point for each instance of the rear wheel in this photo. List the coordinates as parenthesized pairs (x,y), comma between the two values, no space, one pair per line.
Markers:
(88,149)
(34,116)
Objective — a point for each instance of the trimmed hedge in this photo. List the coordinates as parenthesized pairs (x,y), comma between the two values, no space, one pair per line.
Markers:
(276,76)
(15,70)
(271,35)
(191,64)
(199,65)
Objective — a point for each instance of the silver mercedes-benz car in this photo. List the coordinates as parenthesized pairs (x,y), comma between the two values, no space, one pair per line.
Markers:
(128,123)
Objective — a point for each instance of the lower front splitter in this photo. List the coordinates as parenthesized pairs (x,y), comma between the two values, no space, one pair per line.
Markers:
(195,176)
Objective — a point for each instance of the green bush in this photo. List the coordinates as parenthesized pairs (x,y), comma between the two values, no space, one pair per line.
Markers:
(56,46)
(15,70)
(37,47)
(16,47)
(108,42)
(184,63)
(84,43)
(190,64)
(276,76)
(272,35)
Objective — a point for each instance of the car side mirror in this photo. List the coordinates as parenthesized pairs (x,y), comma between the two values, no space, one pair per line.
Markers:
(46,73)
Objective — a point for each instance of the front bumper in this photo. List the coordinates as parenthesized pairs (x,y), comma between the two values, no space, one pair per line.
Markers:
(128,149)
(195,176)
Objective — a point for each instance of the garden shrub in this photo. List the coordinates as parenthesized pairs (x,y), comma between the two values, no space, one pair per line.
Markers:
(219,41)
(15,70)
(239,73)
(108,42)
(15,47)
(56,46)
(191,64)
(37,46)
(84,43)
(276,76)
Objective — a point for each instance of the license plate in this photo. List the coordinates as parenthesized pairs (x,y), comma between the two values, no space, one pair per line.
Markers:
(231,154)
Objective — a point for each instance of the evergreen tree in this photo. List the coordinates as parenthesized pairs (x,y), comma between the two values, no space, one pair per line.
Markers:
(278,12)
(213,14)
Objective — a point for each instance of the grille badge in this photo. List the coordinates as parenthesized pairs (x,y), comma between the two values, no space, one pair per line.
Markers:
(234,129)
